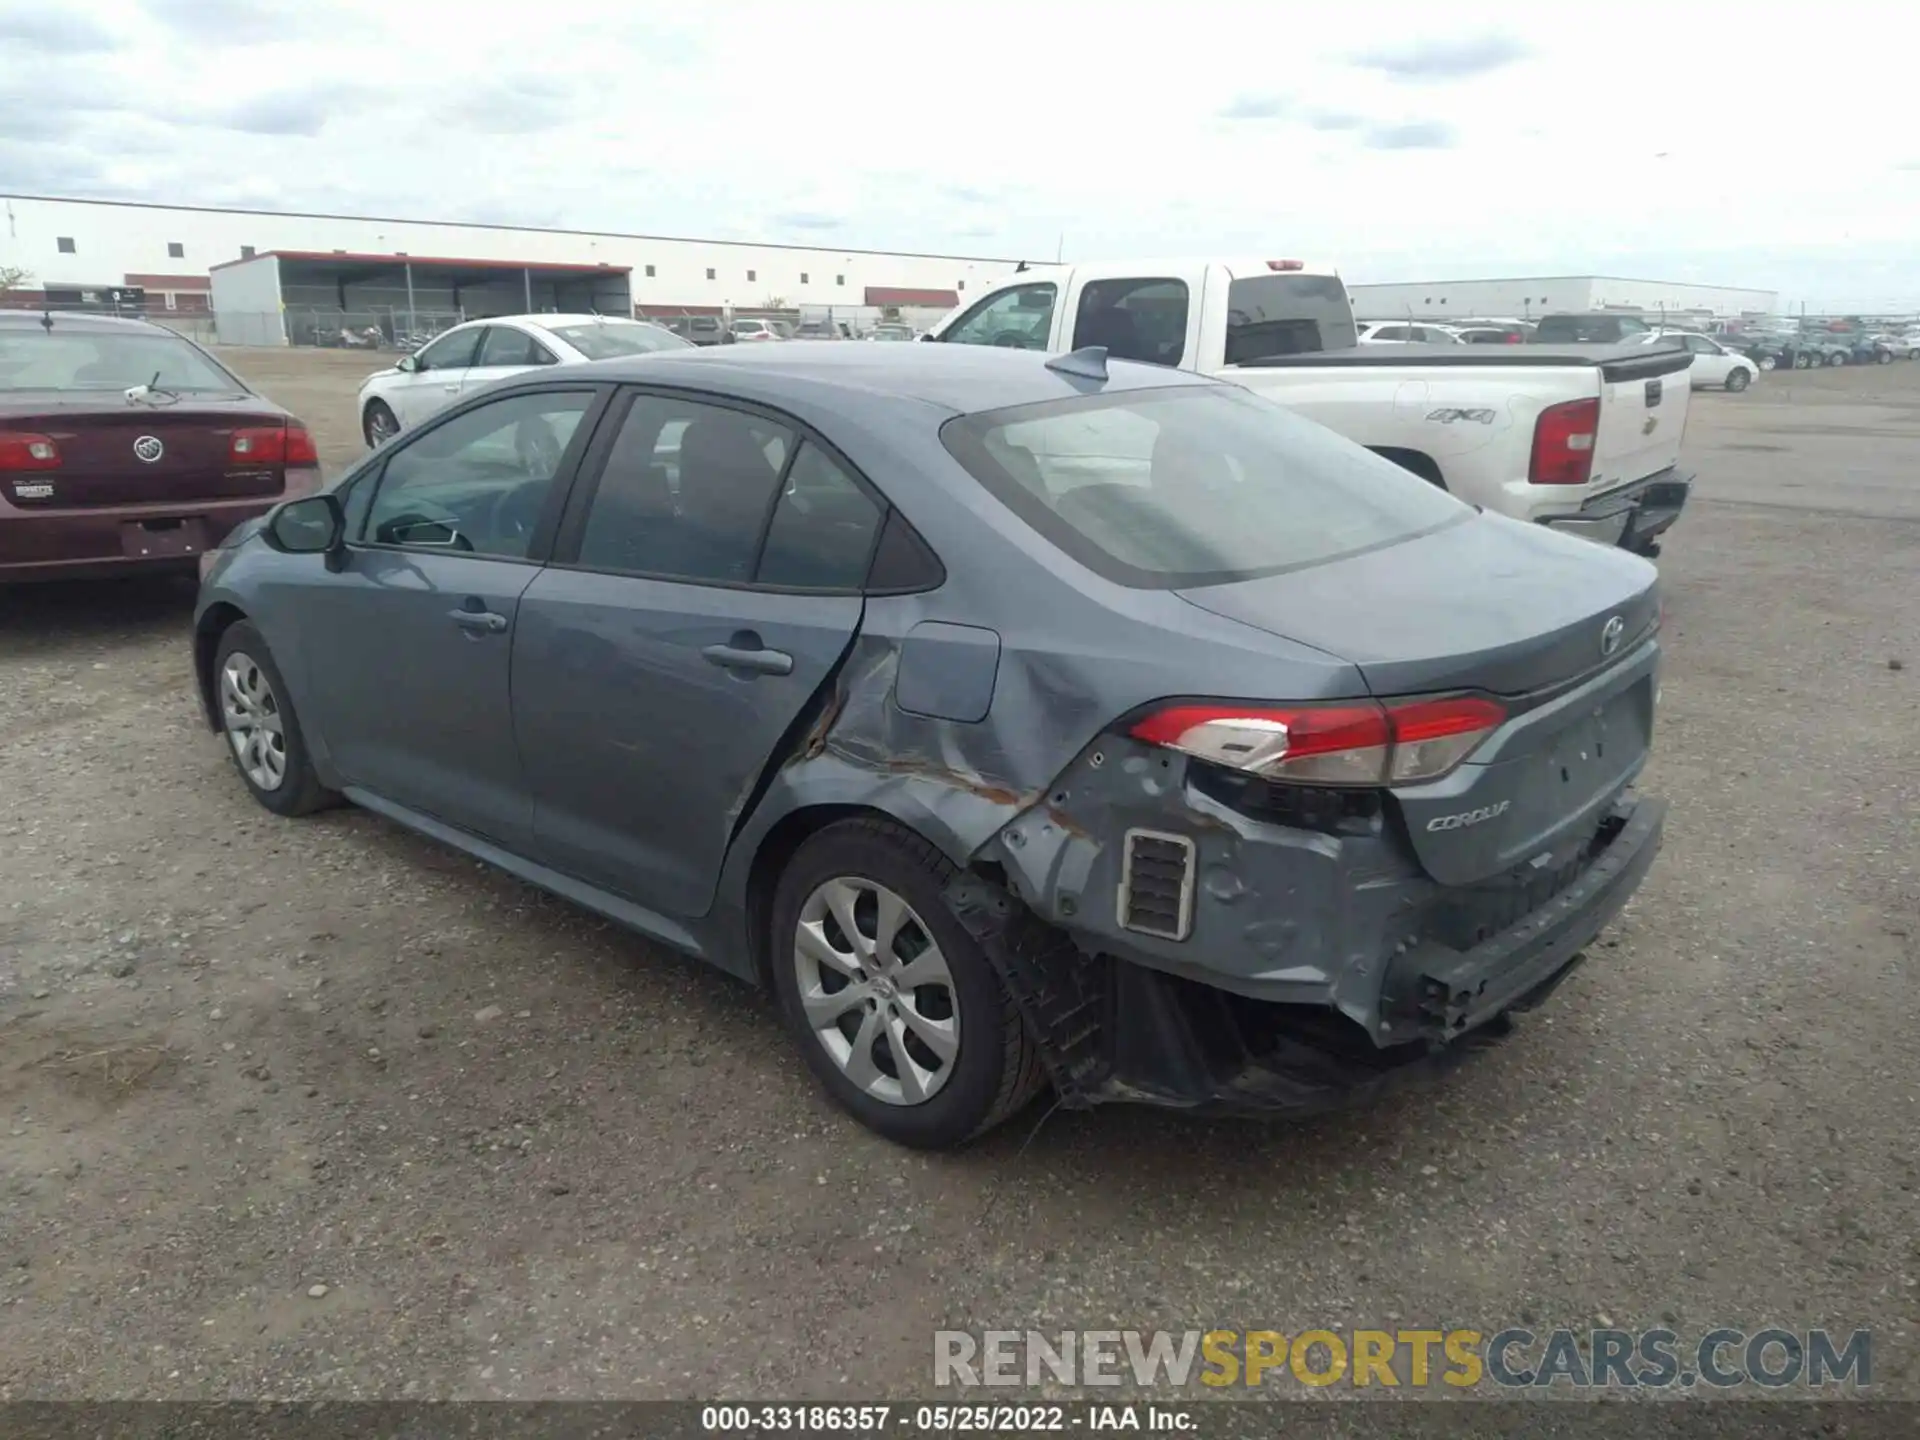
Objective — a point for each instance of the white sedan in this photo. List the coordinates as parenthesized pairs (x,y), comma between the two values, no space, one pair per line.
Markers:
(1713,363)
(1388,333)
(481,351)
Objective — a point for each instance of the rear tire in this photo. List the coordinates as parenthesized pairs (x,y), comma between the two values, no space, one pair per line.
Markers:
(1766,362)
(853,868)
(263,735)
(1883,357)
(1738,381)
(378,424)
(1802,360)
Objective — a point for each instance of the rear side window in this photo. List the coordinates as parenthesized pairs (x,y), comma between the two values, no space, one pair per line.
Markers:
(1192,486)
(1134,319)
(1287,315)
(506,346)
(686,492)
(823,528)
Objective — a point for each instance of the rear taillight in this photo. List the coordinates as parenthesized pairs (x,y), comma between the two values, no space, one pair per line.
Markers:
(290,444)
(1356,743)
(1563,443)
(23,450)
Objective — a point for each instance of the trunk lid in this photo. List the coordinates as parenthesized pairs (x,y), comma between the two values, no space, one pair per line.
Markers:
(1644,399)
(123,454)
(1528,616)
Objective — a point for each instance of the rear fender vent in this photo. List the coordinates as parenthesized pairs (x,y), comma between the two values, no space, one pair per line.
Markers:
(1156,884)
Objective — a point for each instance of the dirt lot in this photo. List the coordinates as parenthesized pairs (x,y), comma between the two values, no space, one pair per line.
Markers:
(526,1155)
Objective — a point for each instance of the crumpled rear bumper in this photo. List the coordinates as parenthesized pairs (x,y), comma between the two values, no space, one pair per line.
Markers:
(1115,1030)
(1632,517)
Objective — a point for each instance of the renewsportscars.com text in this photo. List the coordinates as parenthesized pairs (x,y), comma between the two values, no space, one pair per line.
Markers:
(1514,1358)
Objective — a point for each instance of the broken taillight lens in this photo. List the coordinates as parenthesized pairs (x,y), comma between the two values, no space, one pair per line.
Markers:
(22,450)
(289,444)
(1351,743)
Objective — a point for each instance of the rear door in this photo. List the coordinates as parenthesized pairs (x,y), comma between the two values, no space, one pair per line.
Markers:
(706,584)
(504,351)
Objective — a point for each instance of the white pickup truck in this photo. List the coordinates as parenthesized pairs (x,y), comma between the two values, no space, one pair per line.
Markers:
(1585,438)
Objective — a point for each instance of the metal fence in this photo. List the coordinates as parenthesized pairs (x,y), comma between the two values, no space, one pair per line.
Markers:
(392,328)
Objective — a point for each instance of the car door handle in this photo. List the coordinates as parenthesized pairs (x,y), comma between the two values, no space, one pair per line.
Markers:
(478,622)
(760,662)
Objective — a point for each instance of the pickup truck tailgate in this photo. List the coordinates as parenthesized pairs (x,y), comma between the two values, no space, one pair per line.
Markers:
(1643,416)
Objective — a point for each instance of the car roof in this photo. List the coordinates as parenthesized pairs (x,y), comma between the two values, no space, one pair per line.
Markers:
(79,320)
(548,322)
(962,379)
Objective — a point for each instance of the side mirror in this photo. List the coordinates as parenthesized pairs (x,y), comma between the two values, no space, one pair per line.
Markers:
(311,525)
(406,364)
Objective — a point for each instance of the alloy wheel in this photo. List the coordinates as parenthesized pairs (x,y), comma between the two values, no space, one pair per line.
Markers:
(876,990)
(255,726)
(381,426)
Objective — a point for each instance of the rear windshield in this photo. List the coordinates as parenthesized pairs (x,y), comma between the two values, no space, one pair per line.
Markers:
(617,338)
(37,359)
(1287,315)
(1192,486)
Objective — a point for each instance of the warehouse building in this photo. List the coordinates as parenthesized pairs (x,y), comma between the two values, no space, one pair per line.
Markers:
(335,269)
(1528,297)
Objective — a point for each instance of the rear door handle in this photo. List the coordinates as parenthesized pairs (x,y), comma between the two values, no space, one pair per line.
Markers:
(478,622)
(760,662)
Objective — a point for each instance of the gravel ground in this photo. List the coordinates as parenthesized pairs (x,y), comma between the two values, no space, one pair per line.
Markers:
(318,1109)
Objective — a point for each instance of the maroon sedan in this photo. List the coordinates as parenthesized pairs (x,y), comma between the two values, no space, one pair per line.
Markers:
(125,447)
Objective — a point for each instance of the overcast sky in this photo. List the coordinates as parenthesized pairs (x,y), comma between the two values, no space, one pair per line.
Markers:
(1749,144)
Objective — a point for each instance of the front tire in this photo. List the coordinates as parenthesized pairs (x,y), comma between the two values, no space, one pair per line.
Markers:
(263,734)
(1766,362)
(897,1010)
(378,424)
(1738,381)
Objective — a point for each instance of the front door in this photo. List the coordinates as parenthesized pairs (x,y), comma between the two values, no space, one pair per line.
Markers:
(651,686)
(410,642)
(439,369)
(505,351)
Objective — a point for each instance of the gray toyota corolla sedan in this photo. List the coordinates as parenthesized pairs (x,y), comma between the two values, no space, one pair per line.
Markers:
(1017,721)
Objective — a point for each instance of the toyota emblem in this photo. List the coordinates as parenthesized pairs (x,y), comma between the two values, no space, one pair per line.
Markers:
(148,448)
(1610,635)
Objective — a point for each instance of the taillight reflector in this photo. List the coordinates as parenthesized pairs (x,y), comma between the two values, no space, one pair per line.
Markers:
(23,450)
(289,444)
(1363,743)
(1563,443)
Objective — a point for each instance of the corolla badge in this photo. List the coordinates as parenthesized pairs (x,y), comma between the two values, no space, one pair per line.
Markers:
(1611,634)
(148,448)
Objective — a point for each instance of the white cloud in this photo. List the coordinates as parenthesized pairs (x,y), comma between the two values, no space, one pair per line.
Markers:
(1398,140)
